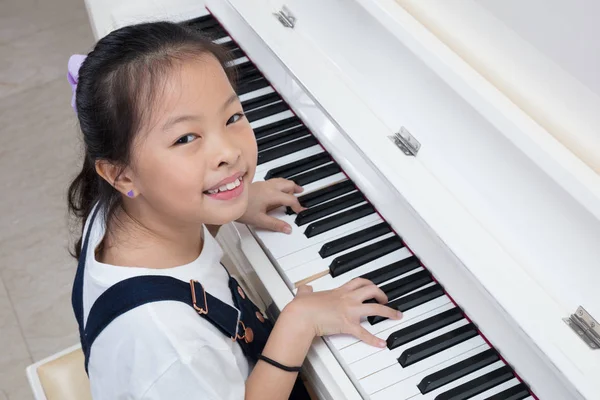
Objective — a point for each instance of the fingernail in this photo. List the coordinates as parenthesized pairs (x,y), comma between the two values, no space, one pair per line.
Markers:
(287,229)
(381,343)
(399,314)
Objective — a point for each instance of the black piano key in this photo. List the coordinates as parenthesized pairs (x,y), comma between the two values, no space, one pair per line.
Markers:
(247,87)
(356,258)
(244,68)
(236,53)
(437,344)
(200,19)
(316,174)
(392,270)
(282,137)
(260,101)
(327,193)
(285,149)
(297,167)
(424,327)
(328,208)
(411,301)
(233,50)
(329,223)
(478,385)
(248,75)
(202,23)
(354,239)
(406,285)
(518,392)
(275,127)
(266,111)
(458,370)
(215,32)
(229,45)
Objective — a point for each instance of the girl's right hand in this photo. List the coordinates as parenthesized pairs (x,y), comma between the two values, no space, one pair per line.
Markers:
(340,310)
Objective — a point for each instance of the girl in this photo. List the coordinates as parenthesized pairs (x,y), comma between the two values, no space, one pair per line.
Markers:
(169,157)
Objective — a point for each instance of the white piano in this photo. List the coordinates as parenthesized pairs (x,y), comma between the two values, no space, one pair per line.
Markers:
(446,154)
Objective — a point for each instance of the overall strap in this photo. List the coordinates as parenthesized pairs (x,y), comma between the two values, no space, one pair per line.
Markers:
(134,292)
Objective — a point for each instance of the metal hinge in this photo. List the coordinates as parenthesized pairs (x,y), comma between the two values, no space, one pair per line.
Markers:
(406,142)
(286,18)
(586,327)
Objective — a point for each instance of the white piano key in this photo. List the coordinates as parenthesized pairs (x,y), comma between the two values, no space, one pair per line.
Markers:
(222,40)
(311,252)
(328,282)
(342,341)
(383,385)
(237,61)
(385,358)
(315,258)
(262,169)
(330,180)
(318,267)
(281,245)
(360,350)
(271,118)
(395,373)
(496,389)
(256,93)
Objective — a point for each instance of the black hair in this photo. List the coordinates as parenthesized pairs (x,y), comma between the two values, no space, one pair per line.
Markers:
(117,82)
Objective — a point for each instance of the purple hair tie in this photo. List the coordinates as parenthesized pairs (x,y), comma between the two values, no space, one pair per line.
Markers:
(75,62)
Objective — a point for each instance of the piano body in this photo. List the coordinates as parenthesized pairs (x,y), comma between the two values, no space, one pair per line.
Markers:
(478,213)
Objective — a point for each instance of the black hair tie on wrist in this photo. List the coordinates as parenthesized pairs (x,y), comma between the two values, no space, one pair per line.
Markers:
(280,366)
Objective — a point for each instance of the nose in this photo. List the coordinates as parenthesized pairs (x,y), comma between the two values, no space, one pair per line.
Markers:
(227,151)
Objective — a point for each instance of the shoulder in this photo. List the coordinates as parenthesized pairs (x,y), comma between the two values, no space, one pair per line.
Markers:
(144,347)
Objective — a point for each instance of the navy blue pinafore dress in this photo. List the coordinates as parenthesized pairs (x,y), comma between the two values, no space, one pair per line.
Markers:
(251,330)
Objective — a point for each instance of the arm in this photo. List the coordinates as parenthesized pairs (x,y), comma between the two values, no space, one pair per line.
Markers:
(309,315)
(288,344)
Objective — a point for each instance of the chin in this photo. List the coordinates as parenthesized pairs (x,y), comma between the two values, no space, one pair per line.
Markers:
(227,213)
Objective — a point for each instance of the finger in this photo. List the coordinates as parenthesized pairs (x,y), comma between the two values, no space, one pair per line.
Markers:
(356,283)
(274,224)
(370,292)
(370,309)
(291,201)
(298,189)
(304,289)
(362,334)
(284,185)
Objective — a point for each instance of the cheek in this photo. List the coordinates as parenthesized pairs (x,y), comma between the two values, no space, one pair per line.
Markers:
(172,177)
(250,148)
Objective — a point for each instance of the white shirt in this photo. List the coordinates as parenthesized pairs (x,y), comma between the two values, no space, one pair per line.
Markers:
(163,350)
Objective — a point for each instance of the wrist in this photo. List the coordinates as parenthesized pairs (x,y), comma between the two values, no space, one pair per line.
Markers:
(296,314)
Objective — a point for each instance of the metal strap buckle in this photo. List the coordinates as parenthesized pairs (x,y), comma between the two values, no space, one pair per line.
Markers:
(200,310)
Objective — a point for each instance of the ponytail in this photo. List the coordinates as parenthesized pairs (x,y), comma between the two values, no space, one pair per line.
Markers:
(83,192)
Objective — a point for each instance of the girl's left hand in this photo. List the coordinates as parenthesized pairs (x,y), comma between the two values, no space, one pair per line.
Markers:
(266,196)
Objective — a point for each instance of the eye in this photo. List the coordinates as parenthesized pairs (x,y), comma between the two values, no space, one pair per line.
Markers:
(190,137)
(235,118)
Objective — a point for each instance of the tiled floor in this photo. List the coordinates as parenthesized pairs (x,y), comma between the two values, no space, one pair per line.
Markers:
(38,156)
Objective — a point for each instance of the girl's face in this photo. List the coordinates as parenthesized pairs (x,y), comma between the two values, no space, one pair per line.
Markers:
(195,161)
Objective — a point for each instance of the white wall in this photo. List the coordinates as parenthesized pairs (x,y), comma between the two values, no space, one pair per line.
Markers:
(566,31)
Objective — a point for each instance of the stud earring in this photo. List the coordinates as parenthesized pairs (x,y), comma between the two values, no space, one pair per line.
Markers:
(130,193)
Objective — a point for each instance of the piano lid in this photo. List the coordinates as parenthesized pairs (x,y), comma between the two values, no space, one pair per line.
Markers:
(502,210)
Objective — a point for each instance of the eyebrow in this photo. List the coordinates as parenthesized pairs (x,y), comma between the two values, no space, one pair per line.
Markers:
(183,118)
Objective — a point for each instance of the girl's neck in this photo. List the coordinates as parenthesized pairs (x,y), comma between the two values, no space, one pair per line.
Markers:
(141,237)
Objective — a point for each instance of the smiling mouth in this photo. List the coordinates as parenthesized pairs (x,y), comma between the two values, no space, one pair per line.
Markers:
(227,187)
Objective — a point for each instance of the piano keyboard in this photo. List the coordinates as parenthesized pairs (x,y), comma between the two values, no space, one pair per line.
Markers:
(434,351)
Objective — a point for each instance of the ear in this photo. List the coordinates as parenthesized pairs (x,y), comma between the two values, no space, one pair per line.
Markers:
(117,176)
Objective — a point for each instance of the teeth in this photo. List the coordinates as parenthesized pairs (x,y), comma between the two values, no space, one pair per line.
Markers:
(229,186)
